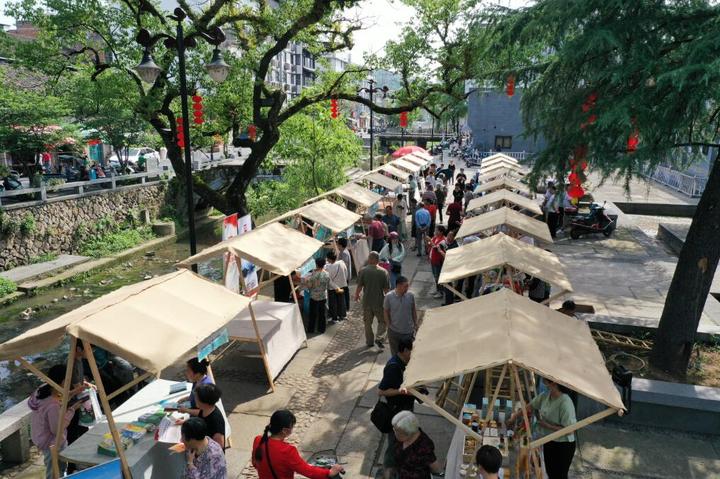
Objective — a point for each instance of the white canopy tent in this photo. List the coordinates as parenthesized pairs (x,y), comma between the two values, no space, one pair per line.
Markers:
(509,184)
(418,160)
(509,331)
(351,192)
(381,180)
(499,172)
(503,197)
(406,165)
(509,254)
(498,157)
(324,213)
(399,174)
(152,324)
(485,169)
(512,221)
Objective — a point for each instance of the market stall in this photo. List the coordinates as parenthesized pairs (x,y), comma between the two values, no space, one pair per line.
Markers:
(397,173)
(507,221)
(500,172)
(323,218)
(503,183)
(503,197)
(406,165)
(417,160)
(278,251)
(498,163)
(353,197)
(508,333)
(383,184)
(498,158)
(510,259)
(152,324)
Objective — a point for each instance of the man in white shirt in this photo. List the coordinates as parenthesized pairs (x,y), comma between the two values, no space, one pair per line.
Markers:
(347,259)
(338,281)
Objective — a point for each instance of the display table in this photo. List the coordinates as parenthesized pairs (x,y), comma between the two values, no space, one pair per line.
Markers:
(281,329)
(147,458)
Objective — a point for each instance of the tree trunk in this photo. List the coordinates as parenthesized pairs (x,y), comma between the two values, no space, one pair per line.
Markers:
(691,283)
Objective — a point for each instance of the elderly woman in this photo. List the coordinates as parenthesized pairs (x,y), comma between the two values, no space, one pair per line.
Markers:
(554,410)
(414,450)
(204,458)
(393,253)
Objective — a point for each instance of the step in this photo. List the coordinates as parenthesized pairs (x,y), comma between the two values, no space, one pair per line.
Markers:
(24,273)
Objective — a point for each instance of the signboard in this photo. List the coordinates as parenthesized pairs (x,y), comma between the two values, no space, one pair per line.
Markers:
(232,275)
(213,343)
(249,271)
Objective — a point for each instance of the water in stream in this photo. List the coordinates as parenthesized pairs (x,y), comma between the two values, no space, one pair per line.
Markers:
(16,383)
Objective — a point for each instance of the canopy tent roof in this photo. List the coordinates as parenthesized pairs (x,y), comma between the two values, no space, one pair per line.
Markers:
(351,192)
(325,213)
(503,197)
(418,160)
(500,250)
(353,174)
(498,157)
(508,217)
(406,165)
(484,169)
(423,154)
(497,328)
(152,324)
(273,247)
(382,180)
(510,184)
(498,173)
(395,171)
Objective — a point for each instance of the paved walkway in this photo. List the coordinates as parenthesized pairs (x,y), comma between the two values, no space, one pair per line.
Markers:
(29,271)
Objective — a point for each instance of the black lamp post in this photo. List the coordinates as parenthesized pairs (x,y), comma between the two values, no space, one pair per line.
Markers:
(370,90)
(217,69)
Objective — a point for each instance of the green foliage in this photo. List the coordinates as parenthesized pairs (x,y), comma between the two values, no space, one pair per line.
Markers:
(115,241)
(652,65)
(7,287)
(43,258)
(28,224)
(9,226)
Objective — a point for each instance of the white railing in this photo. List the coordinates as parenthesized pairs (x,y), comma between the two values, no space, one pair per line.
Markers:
(76,189)
(518,155)
(692,186)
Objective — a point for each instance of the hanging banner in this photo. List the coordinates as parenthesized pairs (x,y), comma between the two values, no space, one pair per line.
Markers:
(249,271)
(232,275)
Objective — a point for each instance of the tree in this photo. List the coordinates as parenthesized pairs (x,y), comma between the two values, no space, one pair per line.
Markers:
(30,122)
(314,150)
(598,73)
(102,33)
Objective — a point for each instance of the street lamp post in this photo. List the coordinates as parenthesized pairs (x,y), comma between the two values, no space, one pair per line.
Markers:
(217,69)
(370,90)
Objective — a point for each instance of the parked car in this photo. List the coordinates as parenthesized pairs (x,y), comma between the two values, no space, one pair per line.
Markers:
(133,155)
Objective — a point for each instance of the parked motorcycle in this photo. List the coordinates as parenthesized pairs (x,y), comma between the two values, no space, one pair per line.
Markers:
(596,221)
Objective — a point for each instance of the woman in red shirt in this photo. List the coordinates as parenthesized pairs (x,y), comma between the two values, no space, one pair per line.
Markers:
(273,458)
(437,256)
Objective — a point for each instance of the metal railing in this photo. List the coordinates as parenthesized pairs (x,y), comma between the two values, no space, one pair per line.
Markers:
(518,155)
(692,186)
(77,189)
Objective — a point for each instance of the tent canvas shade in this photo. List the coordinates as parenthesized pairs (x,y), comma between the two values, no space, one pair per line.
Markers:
(401,175)
(501,172)
(509,330)
(352,192)
(274,247)
(500,164)
(403,164)
(509,184)
(498,157)
(381,180)
(501,250)
(504,197)
(325,213)
(515,221)
(415,159)
(423,154)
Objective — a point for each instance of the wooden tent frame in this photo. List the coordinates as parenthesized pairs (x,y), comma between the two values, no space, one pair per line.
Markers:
(303,225)
(517,386)
(506,202)
(343,201)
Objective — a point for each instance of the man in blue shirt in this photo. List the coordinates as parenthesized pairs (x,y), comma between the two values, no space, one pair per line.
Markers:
(422,224)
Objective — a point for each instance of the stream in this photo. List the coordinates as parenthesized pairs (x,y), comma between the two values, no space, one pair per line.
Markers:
(16,383)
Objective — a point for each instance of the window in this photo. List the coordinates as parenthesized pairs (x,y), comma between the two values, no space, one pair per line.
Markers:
(503,142)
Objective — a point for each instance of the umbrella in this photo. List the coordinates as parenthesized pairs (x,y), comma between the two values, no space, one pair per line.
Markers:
(406,150)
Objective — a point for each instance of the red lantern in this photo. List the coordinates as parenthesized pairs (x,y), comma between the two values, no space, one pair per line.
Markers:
(180,133)
(252,132)
(584,165)
(580,152)
(403,119)
(576,191)
(633,140)
(589,102)
(574,178)
(334,108)
(197,110)
(510,87)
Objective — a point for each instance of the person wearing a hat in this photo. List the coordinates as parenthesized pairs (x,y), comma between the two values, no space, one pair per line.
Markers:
(394,253)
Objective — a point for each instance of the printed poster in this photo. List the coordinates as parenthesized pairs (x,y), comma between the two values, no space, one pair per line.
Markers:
(232,275)
(249,271)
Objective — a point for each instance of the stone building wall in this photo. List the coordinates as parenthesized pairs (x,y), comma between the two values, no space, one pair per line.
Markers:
(62,226)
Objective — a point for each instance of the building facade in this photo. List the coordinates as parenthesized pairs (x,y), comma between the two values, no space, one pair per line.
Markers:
(495,121)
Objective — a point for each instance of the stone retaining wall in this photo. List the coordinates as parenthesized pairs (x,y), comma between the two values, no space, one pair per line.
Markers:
(61,227)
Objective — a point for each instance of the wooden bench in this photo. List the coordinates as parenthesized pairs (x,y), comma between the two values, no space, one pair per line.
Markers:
(15,433)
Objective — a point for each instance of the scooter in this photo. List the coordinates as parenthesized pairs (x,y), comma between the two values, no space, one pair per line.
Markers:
(597,221)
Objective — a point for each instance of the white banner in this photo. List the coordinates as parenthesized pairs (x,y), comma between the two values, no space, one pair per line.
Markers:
(249,271)
(232,275)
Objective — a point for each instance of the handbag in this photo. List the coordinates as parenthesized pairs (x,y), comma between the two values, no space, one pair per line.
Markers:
(381,416)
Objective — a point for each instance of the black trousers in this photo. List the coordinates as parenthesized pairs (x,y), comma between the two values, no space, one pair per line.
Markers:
(336,304)
(346,294)
(558,457)
(552,222)
(317,316)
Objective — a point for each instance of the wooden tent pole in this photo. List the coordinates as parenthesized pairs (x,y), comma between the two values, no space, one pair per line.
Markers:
(472,385)
(106,408)
(64,398)
(55,461)
(31,367)
(431,404)
(132,383)
(491,403)
(455,291)
(519,389)
(261,345)
(573,427)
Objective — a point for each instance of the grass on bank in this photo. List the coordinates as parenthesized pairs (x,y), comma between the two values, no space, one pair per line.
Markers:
(7,287)
(116,241)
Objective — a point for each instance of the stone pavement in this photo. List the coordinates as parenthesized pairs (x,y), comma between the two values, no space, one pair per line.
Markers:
(23,273)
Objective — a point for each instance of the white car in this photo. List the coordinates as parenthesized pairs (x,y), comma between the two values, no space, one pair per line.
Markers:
(133,154)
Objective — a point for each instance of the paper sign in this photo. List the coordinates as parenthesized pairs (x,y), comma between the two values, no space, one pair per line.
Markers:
(232,275)
(249,271)
(207,347)
(168,431)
